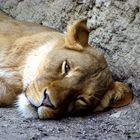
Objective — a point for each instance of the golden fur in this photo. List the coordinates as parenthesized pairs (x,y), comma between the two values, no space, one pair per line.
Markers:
(54,74)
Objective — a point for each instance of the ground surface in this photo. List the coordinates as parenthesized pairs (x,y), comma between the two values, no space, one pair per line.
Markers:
(118,124)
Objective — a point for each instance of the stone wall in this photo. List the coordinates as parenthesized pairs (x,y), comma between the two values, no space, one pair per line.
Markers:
(115,27)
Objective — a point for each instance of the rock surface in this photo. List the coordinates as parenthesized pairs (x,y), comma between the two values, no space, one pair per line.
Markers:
(115,27)
(115,31)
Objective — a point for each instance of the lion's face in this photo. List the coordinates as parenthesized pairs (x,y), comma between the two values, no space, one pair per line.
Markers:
(67,82)
(72,79)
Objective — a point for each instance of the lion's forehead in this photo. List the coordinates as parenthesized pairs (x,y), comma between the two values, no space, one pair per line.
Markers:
(81,58)
(34,60)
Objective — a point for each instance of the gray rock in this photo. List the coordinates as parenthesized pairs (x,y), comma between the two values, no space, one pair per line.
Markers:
(117,34)
(115,26)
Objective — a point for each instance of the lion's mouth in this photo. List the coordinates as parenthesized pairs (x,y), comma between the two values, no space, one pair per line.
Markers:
(30,110)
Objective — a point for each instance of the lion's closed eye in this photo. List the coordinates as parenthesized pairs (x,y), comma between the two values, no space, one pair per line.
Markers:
(78,106)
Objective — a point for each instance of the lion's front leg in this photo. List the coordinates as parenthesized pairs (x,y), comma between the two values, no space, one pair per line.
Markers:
(8,92)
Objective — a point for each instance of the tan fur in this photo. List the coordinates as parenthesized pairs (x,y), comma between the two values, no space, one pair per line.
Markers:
(36,61)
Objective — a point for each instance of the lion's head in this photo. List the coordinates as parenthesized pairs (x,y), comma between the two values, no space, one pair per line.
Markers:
(72,78)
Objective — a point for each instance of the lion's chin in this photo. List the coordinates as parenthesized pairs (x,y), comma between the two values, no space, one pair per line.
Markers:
(45,113)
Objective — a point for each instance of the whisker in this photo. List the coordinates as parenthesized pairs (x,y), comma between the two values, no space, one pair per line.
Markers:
(96,98)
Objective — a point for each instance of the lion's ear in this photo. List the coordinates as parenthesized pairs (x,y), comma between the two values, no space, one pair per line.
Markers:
(118,95)
(77,35)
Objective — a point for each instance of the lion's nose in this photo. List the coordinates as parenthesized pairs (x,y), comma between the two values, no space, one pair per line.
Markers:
(47,102)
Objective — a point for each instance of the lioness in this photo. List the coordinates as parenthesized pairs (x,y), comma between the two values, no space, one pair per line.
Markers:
(54,74)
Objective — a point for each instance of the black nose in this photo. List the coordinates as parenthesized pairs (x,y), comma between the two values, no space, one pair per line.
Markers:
(47,102)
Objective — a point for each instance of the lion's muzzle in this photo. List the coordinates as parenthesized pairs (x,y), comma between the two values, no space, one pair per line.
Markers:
(47,102)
